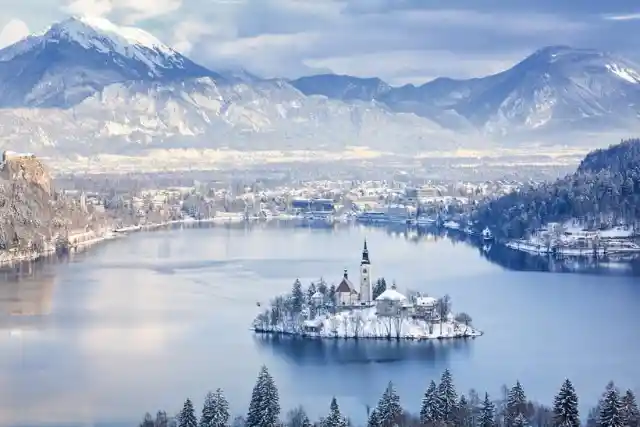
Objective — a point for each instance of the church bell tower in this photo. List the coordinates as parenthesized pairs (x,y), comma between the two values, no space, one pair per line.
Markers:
(365,276)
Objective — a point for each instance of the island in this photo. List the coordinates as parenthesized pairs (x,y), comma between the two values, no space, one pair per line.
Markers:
(370,311)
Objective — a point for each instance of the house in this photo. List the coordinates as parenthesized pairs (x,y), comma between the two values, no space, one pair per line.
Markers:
(425,307)
(390,302)
(346,293)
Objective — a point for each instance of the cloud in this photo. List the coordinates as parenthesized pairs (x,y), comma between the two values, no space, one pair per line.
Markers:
(398,40)
(127,12)
(627,17)
(12,32)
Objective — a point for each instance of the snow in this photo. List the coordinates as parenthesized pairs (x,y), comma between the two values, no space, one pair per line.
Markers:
(364,323)
(106,37)
(391,295)
(624,73)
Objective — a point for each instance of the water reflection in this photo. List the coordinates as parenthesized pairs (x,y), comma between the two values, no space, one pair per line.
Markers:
(362,352)
(26,289)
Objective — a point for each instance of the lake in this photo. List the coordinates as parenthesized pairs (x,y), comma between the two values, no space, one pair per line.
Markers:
(140,323)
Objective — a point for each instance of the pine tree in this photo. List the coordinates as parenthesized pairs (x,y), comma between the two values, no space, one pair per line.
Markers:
(565,407)
(215,412)
(463,416)
(428,411)
(610,409)
(297,297)
(374,419)
(335,418)
(187,417)
(389,408)
(520,421)
(629,414)
(446,398)
(487,413)
(516,404)
(310,292)
(147,421)
(264,407)
(207,411)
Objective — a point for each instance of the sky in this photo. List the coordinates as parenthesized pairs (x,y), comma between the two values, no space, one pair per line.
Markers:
(400,41)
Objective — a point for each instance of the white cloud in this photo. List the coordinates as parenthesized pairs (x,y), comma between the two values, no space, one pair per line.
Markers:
(129,12)
(625,17)
(408,66)
(14,31)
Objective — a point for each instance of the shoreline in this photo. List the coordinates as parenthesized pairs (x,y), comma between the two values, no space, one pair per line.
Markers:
(7,258)
(315,336)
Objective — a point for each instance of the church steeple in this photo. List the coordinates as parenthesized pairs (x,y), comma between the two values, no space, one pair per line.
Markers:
(365,254)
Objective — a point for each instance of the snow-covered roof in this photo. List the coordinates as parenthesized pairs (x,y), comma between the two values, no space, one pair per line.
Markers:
(317,295)
(426,301)
(391,295)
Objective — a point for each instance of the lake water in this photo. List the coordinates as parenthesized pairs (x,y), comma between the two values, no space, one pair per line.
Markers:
(141,323)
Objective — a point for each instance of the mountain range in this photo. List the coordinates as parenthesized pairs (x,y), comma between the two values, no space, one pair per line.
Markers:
(86,86)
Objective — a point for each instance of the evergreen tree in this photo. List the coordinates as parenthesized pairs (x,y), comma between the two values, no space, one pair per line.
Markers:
(629,413)
(520,421)
(428,411)
(297,297)
(310,292)
(516,404)
(463,415)
(332,294)
(389,409)
(487,413)
(610,409)
(215,412)
(379,287)
(335,418)
(264,407)
(161,419)
(187,417)
(446,398)
(147,421)
(374,419)
(565,407)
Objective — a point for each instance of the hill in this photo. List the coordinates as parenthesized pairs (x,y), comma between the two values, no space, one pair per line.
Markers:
(604,191)
(32,214)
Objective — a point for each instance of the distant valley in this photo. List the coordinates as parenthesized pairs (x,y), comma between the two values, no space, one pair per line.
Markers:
(86,88)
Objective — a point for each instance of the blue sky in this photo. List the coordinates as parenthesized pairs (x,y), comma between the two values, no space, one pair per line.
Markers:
(398,40)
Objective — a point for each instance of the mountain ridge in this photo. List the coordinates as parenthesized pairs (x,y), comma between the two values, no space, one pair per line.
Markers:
(88,86)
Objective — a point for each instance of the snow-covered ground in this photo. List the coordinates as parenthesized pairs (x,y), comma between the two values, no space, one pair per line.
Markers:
(572,239)
(364,323)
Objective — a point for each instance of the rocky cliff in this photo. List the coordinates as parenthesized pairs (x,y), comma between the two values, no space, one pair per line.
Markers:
(32,214)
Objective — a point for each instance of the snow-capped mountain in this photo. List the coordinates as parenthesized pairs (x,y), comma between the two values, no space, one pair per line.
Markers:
(555,88)
(86,86)
(78,56)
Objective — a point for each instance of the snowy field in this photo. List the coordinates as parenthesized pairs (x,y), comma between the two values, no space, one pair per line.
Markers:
(364,323)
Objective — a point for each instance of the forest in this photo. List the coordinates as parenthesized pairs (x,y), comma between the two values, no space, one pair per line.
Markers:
(603,191)
(441,406)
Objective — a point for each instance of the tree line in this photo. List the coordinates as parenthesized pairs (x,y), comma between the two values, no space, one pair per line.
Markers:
(604,191)
(441,406)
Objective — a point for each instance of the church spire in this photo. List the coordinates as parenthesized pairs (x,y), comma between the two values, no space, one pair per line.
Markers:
(365,254)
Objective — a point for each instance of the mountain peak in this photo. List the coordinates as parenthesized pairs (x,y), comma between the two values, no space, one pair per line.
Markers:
(85,30)
(78,56)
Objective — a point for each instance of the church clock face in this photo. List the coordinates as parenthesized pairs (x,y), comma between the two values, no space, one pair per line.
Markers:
(364,270)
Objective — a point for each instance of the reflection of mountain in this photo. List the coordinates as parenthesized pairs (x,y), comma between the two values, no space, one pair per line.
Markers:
(26,290)
(521,261)
(344,352)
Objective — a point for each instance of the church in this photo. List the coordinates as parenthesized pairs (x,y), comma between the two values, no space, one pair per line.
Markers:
(347,294)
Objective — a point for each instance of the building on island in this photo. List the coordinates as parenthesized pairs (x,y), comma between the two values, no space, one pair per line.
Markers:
(346,293)
(391,303)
